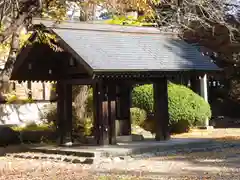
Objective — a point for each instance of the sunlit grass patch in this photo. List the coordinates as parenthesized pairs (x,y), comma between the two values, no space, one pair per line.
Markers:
(33,127)
(229,133)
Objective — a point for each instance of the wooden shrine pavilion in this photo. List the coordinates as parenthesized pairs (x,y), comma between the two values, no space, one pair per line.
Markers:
(112,59)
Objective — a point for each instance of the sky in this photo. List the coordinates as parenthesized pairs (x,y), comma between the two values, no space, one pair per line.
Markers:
(234,10)
(74,10)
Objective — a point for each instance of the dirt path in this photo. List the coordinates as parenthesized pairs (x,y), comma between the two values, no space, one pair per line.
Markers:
(210,164)
(219,164)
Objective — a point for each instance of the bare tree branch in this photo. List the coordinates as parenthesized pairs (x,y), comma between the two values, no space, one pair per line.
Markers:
(20,15)
(22,11)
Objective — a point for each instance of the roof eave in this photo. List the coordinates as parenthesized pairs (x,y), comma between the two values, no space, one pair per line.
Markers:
(154,70)
(151,74)
(74,54)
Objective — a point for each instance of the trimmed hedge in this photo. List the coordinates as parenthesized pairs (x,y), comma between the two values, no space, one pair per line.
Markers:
(184,104)
(138,116)
(186,108)
(142,97)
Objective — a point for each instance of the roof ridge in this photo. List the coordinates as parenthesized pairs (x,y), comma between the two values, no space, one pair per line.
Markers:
(91,26)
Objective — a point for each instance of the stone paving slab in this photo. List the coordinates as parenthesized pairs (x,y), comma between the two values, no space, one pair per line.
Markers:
(13,149)
(121,149)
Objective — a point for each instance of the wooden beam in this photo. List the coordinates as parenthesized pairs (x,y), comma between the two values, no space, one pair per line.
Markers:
(83,81)
(161,109)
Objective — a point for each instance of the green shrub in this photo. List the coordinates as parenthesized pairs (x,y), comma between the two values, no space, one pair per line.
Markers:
(138,116)
(142,97)
(186,108)
(33,127)
(180,126)
(36,133)
(88,125)
(185,105)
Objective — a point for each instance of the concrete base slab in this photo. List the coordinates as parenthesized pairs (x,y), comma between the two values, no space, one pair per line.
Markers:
(206,127)
(13,149)
(130,138)
(121,149)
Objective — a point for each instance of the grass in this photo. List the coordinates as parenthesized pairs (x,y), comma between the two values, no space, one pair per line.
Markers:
(33,127)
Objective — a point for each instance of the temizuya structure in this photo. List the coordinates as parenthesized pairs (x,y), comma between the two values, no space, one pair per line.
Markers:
(111,58)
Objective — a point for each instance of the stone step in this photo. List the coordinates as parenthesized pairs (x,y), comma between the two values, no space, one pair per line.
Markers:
(52,157)
(63,151)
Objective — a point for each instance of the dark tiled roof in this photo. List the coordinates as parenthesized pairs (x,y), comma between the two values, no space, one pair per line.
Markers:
(119,48)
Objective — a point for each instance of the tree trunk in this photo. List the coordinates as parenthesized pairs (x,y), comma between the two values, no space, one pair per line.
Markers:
(80,96)
(12,54)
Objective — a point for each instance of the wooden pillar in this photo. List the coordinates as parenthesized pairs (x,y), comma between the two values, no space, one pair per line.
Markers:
(96,122)
(101,121)
(161,109)
(64,111)
(195,84)
(104,119)
(184,80)
(176,79)
(124,105)
(181,79)
(112,112)
(68,113)
(60,111)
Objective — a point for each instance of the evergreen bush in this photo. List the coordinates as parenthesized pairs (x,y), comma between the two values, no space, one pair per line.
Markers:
(186,108)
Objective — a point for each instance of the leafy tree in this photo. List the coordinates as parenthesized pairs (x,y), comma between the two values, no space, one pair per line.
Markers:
(207,23)
(213,26)
(180,13)
(130,21)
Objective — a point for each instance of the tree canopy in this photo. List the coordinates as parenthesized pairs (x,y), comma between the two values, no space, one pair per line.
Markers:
(198,21)
(213,24)
(177,13)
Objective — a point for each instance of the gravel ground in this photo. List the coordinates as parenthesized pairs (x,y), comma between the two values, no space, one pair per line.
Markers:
(219,164)
(210,133)
(216,164)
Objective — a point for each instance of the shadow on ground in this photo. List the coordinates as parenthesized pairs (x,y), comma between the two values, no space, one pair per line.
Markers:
(217,164)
